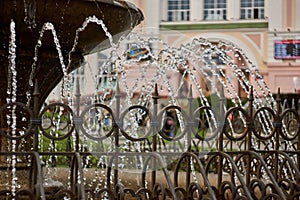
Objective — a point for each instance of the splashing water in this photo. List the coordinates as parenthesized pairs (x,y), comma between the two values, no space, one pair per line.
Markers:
(46,27)
(12,81)
(12,96)
(65,90)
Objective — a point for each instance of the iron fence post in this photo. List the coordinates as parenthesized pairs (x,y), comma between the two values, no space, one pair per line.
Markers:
(77,104)
(189,137)
(116,135)
(220,125)
(155,98)
(36,95)
(277,127)
(249,136)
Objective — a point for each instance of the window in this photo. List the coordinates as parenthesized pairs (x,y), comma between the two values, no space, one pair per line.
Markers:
(252,9)
(178,10)
(214,10)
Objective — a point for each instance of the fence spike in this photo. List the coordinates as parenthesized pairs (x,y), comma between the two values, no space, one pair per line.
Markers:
(251,96)
(191,91)
(118,92)
(155,94)
(36,91)
(278,98)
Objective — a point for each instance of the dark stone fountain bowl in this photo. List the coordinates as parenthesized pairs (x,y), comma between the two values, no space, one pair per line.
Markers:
(67,16)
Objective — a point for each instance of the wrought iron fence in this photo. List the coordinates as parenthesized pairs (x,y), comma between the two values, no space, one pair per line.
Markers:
(149,152)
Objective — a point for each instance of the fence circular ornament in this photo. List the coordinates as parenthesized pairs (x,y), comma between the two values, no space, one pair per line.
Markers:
(173,125)
(57,121)
(290,124)
(264,123)
(98,122)
(16,120)
(236,124)
(136,119)
(205,125)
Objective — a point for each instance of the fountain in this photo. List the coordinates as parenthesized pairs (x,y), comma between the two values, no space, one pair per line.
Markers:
(164,122)
(36,45)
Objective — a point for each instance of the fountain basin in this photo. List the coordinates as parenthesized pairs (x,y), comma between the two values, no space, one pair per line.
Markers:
(66,17)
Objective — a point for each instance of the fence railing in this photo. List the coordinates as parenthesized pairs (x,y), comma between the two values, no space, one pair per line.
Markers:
(177,152)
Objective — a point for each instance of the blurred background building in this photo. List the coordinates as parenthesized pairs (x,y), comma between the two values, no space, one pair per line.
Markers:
(268,31)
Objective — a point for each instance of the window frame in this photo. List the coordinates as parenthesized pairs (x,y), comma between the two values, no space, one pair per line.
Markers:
(179,10)
(252,9)
(214,10)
